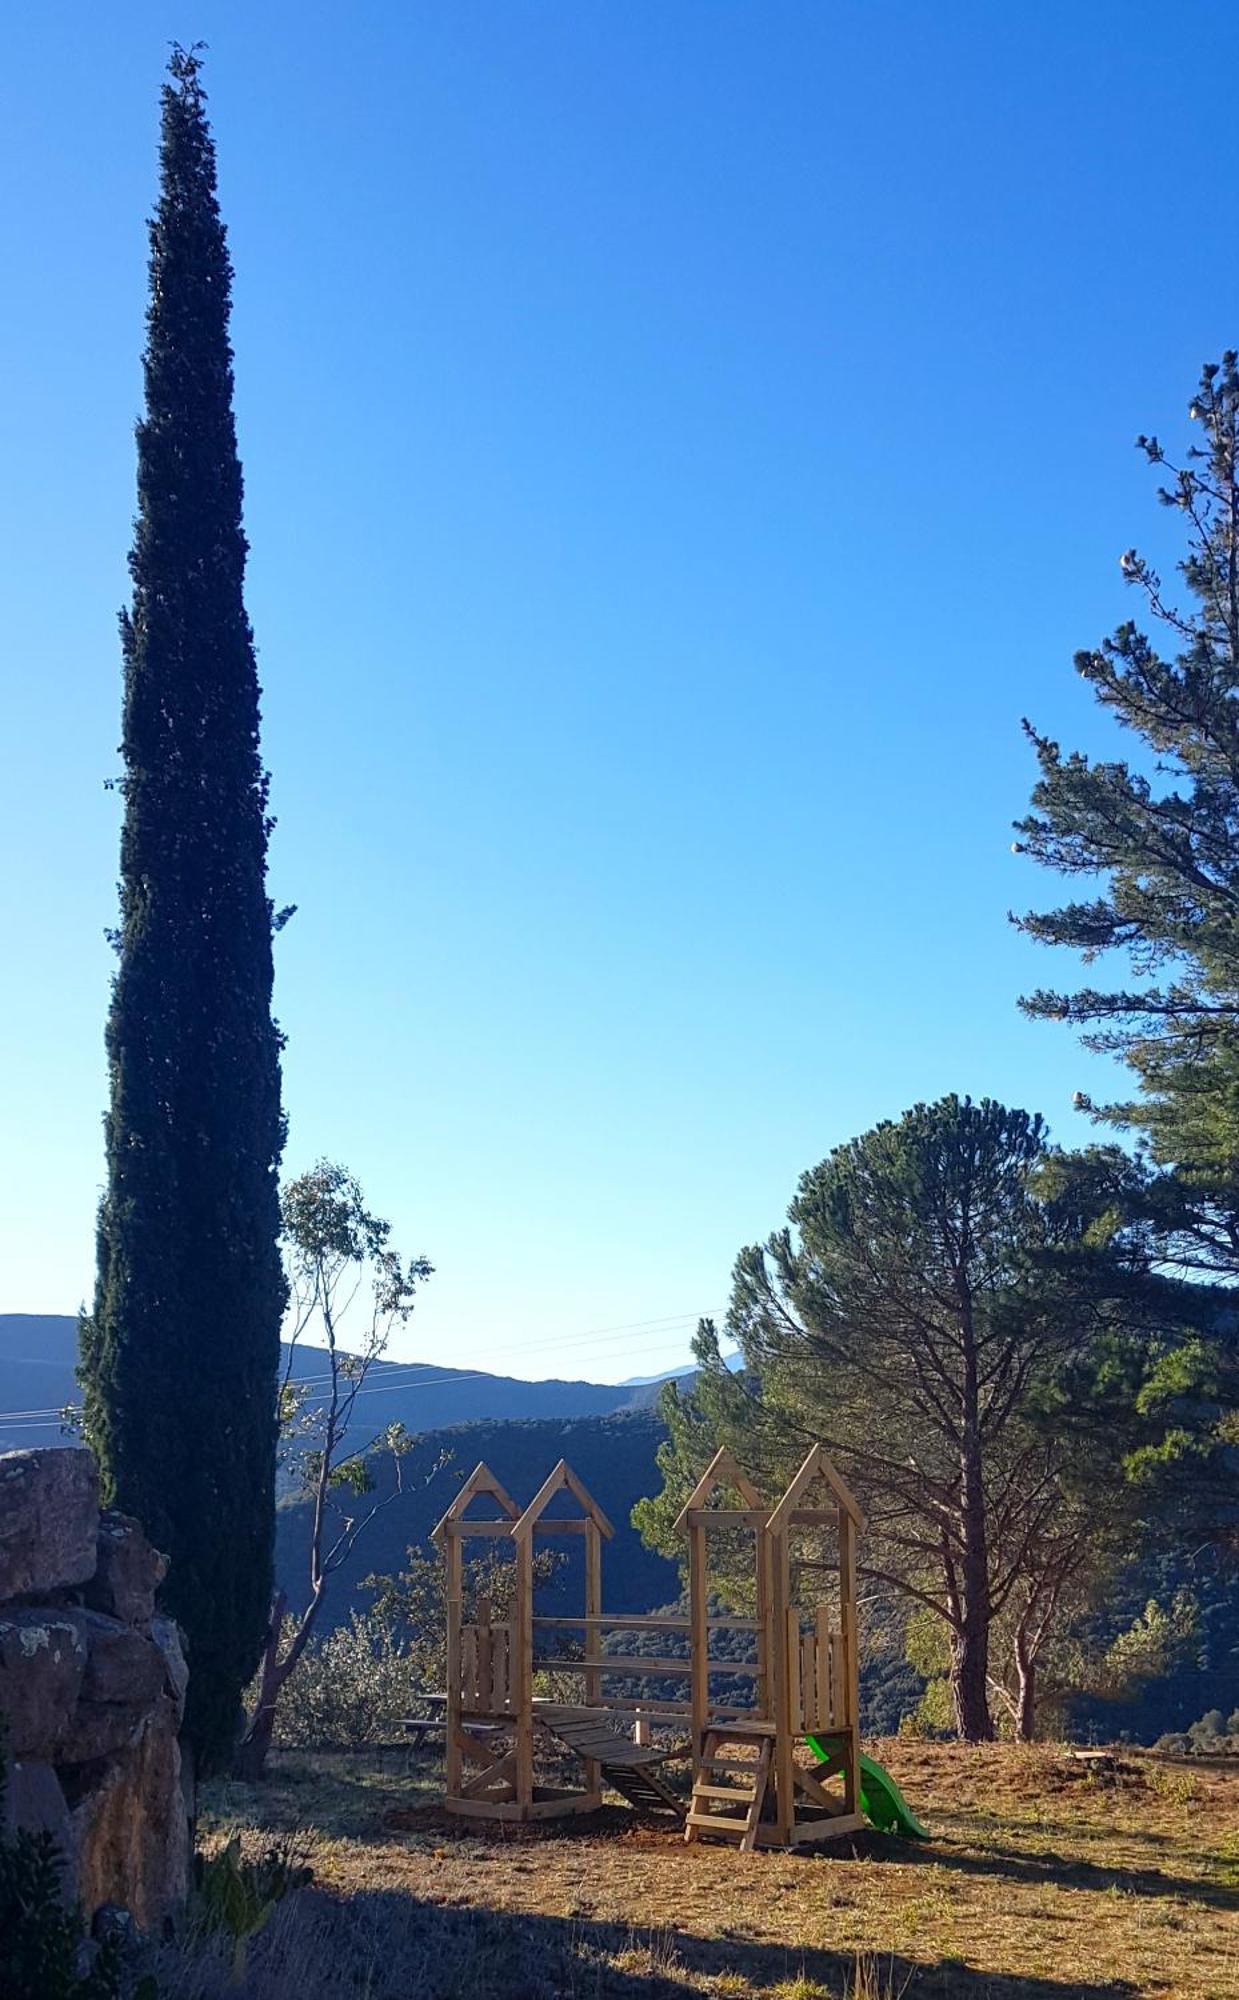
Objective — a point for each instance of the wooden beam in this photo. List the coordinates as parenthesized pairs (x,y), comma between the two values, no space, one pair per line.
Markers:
(454,1591)
(483,1782)
(699,1641)
(784,1751)
(727,1517)
(808,1783)
(479,1753)
(811,1830)
(593,1607)
(638,1663)
(647,1622)
(522,1670)
(851,1657)
(621,1704)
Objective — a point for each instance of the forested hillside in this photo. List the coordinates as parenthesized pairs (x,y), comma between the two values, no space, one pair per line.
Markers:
(614,1456)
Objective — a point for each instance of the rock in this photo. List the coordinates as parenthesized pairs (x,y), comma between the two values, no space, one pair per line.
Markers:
(113,1924)
(123,1678)
(49,1513)
(131,1834)
(91,1693)
(128,1571)
(167,1636)
(42,1667)
(121,1664)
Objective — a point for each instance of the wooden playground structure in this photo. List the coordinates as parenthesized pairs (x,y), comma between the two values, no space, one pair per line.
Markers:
(749,1784)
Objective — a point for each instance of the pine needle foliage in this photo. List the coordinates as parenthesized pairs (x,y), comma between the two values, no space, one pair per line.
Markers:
(180,1355)
(1155,839)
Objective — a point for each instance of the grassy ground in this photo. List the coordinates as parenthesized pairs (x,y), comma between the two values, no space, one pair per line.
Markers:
(1042,1882)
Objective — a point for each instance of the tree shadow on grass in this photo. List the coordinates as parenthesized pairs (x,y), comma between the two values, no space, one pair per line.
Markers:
(1065,1871)
(390,1944)
(341,1794)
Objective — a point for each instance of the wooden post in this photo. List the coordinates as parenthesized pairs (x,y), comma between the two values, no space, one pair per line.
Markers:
(823,1700)
(523,1670)
(455,1612)
(763,1689)
(795,1671)
(698,1641)
(851,1657)
(486,1657)
(593,1643)
(784,1739)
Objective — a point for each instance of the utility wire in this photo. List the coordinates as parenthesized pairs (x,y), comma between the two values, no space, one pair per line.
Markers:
(38,1418)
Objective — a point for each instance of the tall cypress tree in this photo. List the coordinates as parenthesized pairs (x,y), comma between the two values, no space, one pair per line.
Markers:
(180,1355)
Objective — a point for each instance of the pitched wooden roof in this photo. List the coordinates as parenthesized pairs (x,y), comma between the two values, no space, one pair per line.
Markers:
(722,1471)
(562,1479)
(480,1481)
(815,1466)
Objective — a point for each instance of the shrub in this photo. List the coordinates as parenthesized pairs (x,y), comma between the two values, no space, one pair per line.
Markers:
(1207,1732)
(237,1897)
(355,1685)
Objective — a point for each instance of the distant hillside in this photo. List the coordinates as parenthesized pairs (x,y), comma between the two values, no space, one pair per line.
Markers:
(613,1455)
(38,1351)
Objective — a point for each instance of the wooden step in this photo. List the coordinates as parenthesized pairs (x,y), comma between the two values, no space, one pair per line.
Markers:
(643,1789)
(717,1822)
(737,1798)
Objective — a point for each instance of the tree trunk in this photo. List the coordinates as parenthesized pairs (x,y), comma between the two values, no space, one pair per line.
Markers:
(970,1649)
(250,1759)
(969,1679)
(1026,1695)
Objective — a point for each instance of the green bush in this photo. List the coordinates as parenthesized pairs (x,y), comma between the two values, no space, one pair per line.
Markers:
(1210,1727)
(1214,1735)
(353,1686)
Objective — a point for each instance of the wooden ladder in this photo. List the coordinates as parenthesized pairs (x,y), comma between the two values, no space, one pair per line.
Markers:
(643,1788)
(747,1795)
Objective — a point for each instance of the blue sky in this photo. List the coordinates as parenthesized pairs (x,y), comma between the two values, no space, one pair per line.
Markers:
(682,438)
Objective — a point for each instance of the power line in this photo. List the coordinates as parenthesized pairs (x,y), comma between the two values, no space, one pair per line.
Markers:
(36,1418)
(39,1419)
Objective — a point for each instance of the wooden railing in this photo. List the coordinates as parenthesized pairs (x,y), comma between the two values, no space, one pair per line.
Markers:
(486,1677)
(613,1666)
(819,1682)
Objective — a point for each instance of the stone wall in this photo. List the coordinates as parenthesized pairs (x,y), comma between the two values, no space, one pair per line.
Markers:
(92,1687)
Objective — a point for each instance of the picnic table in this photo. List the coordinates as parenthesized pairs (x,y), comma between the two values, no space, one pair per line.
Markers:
(418,1728)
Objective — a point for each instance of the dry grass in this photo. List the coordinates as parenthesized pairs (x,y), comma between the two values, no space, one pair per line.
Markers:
(1042,1882)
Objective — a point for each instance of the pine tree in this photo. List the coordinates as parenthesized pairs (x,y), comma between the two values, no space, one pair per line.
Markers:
(1161,835)
(180,1355)
(909,1318)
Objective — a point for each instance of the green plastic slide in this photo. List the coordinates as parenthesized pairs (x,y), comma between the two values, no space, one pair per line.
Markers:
(881,1800)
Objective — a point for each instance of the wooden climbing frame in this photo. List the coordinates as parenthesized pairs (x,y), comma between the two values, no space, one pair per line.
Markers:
(754,1781)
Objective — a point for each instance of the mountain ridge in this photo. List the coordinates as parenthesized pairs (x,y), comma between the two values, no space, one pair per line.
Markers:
(38,1352)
